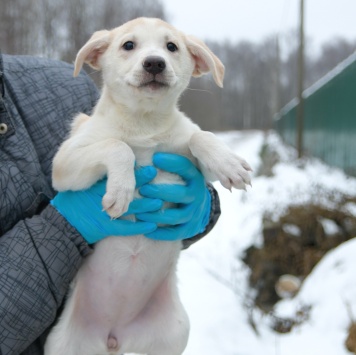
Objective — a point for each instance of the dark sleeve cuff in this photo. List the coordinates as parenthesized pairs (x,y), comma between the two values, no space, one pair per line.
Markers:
(214,216)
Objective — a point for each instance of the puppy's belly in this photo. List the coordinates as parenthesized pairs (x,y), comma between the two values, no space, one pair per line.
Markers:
(119,279)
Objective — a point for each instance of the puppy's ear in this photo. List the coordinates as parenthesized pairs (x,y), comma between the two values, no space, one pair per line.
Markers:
(205,60)
(92,50)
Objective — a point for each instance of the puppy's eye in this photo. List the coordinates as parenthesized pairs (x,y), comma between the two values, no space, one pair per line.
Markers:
(128,46)
(172,47)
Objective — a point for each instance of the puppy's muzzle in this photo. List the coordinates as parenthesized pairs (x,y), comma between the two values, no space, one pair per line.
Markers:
(154,64)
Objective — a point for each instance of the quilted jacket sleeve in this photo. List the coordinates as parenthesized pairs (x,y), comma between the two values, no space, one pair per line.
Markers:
(39,251)
(214,216)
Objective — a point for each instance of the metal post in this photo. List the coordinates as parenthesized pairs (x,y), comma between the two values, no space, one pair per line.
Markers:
(300,107)
(276,104)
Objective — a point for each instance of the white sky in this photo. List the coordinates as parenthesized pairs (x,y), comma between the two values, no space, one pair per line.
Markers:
(255,19)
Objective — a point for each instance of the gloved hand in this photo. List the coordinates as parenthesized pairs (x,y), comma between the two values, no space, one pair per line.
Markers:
(84,211)
(191,215)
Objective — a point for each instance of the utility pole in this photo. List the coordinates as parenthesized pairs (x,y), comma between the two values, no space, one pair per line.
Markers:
(276,101)
(300,107)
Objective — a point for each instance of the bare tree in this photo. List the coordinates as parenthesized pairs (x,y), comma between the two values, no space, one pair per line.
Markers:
(251,85)
(16,18)
(58,28)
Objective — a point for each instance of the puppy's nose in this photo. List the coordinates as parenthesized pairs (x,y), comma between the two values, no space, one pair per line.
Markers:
(154,65)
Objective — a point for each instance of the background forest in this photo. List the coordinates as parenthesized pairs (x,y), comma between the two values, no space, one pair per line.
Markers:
(260,78)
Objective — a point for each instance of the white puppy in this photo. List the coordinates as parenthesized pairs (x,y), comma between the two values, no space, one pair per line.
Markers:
(125,297)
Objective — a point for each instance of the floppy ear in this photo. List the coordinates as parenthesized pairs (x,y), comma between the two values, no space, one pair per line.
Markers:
(205,60)
(92,50)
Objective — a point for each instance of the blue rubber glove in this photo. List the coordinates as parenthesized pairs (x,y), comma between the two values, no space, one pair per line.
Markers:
(192,213)
(83,210)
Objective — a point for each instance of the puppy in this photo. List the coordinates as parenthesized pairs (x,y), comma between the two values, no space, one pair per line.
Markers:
(124,298)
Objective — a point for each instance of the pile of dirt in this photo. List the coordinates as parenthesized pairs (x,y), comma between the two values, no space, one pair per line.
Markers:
(294,245)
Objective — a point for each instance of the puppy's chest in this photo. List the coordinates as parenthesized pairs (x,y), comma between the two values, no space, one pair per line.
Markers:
(144,154)
(145,141)
(144,157)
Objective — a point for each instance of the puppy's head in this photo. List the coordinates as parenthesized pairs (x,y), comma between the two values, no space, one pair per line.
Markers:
(148,57)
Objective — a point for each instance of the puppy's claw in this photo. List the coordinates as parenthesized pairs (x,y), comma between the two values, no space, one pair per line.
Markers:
(115,206)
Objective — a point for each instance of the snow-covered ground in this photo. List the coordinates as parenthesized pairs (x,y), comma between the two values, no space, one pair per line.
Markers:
(213,279)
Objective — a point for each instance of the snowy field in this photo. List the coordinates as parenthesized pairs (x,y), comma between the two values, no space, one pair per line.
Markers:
(213,279)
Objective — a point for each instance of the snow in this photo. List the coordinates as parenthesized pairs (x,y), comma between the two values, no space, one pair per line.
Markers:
(292,229)
(213,280)
(329,226)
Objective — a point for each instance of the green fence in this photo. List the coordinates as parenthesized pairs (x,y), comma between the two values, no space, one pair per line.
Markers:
(329,118)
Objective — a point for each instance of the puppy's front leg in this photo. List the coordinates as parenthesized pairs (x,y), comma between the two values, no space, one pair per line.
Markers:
(79,164)
(218,162)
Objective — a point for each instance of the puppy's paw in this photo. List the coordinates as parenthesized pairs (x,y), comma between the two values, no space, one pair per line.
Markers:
(233,171)
(116,201)
(218,162)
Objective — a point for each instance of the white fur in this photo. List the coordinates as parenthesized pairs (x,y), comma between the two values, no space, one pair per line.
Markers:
(124,298)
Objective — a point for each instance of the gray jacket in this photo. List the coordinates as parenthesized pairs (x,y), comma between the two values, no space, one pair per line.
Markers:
(39,251)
